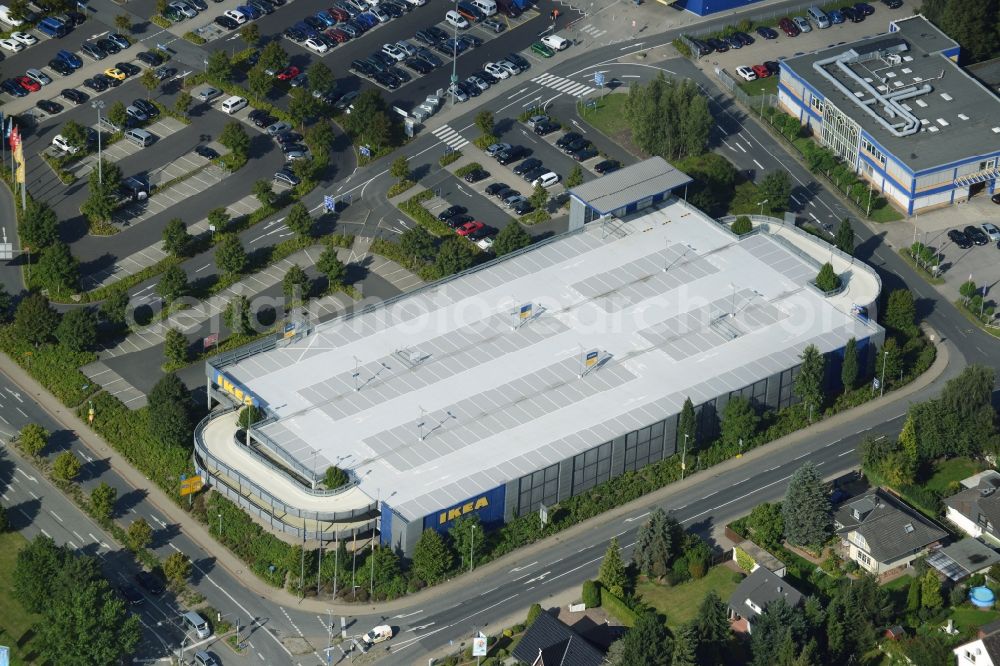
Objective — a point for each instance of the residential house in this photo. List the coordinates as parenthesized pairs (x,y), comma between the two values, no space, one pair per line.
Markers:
(549,642)
(747,551)
(976,508)
(963,558)
(756,591)
(881,532)
(983,651)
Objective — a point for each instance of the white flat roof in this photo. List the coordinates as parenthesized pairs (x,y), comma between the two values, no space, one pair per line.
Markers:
(655,295)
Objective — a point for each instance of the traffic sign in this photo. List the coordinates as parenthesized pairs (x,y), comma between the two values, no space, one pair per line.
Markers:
(210,340)
(365,151)
(329,203)
(192,485)
(598,78)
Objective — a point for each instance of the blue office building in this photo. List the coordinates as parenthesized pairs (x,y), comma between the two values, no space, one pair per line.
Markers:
(706,7)
(900,111)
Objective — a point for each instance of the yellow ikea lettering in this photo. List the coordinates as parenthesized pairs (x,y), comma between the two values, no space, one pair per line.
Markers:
(459,511)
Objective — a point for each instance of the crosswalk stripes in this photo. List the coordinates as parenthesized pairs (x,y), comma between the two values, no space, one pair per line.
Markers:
(450,137)
(563,85)
(592,31)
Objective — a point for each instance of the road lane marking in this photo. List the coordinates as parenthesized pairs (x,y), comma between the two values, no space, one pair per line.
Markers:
(759,165)
(56,515)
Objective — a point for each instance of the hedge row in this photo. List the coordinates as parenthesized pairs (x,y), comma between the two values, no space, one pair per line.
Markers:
(414,208)
(617,607)
(55,367)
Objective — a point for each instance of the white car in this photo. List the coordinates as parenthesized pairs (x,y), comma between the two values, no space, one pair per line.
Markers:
(24,38)
(379,14)
(746,73)
(802,24)
(509,67)
(456,19)
(417,3)
(184,8)
(60,142)
(992,231)
(555,42)
(377,635)
(11,45)
(408,48)
(496,70)
(394,52)
(485,244)
(236,16)
(478,82)
(457,93)
(546,180)
(316,45)
(38,76)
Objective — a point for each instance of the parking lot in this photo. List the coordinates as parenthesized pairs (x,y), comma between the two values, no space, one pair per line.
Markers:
(119,150)
(162,199)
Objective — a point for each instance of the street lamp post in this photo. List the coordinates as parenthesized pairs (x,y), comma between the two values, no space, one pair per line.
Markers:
(684,455)
(99,104)
(881,384)
(220,523)
(454,60)
(472,546)
(761,204)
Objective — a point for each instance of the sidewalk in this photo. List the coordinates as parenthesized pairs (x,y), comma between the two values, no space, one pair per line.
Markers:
(236,567)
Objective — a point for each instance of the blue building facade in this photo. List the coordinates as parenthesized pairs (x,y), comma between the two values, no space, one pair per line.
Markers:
(706,7)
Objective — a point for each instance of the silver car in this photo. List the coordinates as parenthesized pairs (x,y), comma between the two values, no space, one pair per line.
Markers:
(277,128)
(38,76)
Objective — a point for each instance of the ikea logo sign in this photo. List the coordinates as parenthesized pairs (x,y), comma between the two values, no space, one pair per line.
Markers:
(462,509)
(230,387)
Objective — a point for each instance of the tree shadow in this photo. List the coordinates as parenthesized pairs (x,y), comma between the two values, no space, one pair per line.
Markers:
(163,536)
(59,441)
(129,501)
(101,263)
(94,469)
(201,569)
(22,515)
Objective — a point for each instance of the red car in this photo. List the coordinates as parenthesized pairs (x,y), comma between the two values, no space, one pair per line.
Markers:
(337,35)
(339,14)
(469,227)
(788,27)
(28,84)
(288,73)
(761,71)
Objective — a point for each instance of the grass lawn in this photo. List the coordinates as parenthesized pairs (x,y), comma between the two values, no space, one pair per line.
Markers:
(947,471)
(680,602)
(885,214)
(14,621)
(609,118)
(768,86)
(968,617)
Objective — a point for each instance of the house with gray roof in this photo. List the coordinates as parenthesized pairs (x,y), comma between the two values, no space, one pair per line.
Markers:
(983,651)
(976,509)
(963,559)
(756,591)
(549,642)
(881,532)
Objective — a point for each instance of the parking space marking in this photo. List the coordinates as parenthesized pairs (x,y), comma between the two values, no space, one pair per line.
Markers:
(450,137)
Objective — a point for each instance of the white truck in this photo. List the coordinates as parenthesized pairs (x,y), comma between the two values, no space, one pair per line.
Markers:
(377,635)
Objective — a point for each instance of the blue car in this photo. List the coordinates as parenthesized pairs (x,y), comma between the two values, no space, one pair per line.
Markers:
(251,13)
(70,58)
(326,18)
(835,16)
(12,87)
(367,20)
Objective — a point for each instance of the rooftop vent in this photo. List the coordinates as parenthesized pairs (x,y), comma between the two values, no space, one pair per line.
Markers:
(906,70)
(986,492)
(932,129)
(962,116)
(921,103)
(946,97)
(890,75)
(996,130)
(893,58)
(907,58)
(908,528)
(942,122)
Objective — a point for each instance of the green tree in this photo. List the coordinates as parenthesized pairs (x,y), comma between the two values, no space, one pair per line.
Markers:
(264,192)
(776,187)
(714,182)
(295,284)
(657,544)
(320,77)
(485,122)
(58,269)
(183,102)
(891,365)
(36,570)
(299,220)
(78,329)
(827,279)
(511,238)
(533,612)
(272,56)
(175,347)
(739,422)
(612,574)
(369,122)
(149,80)
(102,501)
(712,624)
(6,306)
(237,315)
(851,367)
(418,244)
(844,239)
(301,106)
(39,227)
(117,115)
(742,225)
(809,382)
(575,177)
(33,438)
(467,538)
(173,283)
(913,596)
(778,633)
(930,590)
(250,34)
(34,319)
(259,83)
(669,118)
(177,568)
(539,197)
(454,255)
(806,508)
(235,138)
(66,466)
(855,614)
(230,256)
(977,33)
(114,309)
(123,22)
(176,239)
(646,643)
(335,477)
(248,415)
(590,593)
(685,646)
(169,415)
(767,523)
(432,558)
(687,426)
(329,265)
(218,218)
(74,133)
(104,185)
(400,168)
(901,312)
(139,534)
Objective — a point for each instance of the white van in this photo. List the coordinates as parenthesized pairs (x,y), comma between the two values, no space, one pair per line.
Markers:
(233,104)
(195,622)
(488,7)
(819,17)
(139,137)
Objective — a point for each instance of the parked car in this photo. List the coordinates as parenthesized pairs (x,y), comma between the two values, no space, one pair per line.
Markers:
(206,152)
(546,180)
(287,177)
(773,67)
(802,23)
(788,27)
(585,154)
(495,148)
(607,166)
(74,96)
(49,107)
(60,67)
(746,73)
(992,231)
(476,175)
(93,50)
(12,87)
(450,212)
(555,42)
(864,8)
(512,155)
(976,235)
(151,58)
(469,227)
(526,166)
(718,44)
(546,127)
